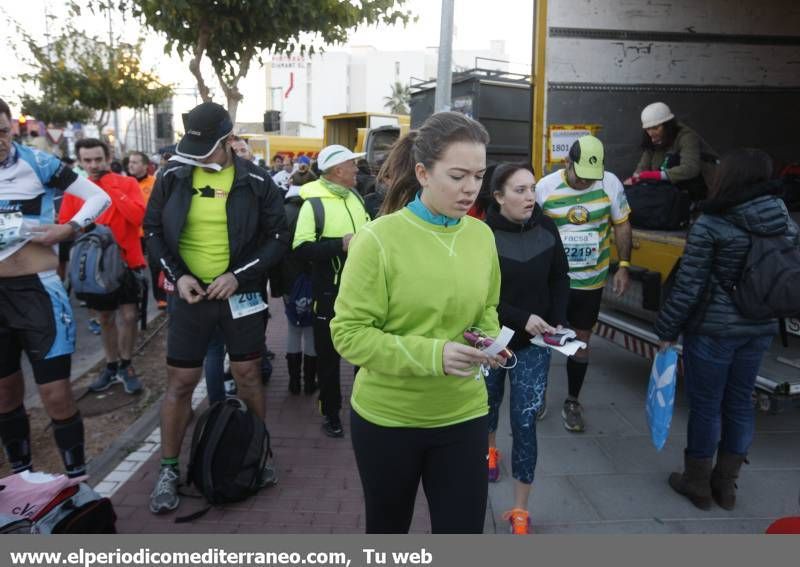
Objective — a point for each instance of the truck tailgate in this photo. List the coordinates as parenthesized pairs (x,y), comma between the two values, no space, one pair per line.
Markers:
(779,373)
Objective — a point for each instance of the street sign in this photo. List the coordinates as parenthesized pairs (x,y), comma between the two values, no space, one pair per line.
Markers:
(55,134)
(562,136)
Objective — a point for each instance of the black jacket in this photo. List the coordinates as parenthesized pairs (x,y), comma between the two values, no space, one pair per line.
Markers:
(284,275)
(534,272)
(713,260)
(257,232)
(374,200)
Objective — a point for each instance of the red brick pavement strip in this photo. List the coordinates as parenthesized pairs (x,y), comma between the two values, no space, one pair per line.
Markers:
(318,488)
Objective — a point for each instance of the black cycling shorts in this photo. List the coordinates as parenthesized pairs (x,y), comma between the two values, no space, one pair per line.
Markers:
(129,292)
(36,317)
(583,308)
(192,325)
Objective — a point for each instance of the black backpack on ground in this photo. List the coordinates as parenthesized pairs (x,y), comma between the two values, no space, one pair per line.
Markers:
(658,206)
(768,287)
(230,448)
(77,510)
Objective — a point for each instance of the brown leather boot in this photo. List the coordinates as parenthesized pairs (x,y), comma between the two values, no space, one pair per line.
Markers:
(695,482)
(723,478)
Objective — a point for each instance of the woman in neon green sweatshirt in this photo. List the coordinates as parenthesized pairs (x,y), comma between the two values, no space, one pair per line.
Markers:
(415,280)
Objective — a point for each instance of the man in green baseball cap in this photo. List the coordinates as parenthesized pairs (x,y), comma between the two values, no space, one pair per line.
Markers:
(587,204)
(586,156)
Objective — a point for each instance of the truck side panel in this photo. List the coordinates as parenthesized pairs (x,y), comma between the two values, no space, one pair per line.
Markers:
(730,71)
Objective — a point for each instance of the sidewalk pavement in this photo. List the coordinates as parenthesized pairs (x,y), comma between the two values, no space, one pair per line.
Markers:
(608,479)
(318,488)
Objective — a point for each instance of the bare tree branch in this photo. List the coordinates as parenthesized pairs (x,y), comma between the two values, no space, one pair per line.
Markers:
(194,64)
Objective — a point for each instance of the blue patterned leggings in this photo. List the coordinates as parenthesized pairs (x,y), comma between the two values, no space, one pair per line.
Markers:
(528,384)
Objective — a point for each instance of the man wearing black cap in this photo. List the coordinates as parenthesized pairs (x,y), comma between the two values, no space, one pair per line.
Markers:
(215,224)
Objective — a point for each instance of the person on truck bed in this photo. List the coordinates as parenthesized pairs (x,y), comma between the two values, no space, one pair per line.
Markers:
(586,202)
(722,349)
(673,153)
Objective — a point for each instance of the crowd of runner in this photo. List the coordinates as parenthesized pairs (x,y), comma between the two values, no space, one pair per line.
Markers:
(400,275)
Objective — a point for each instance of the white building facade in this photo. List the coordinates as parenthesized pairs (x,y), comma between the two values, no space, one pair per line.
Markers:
(305,89)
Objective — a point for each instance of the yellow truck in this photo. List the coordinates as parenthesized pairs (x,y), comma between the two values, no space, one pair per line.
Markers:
(267,146)
(728,70)
(369,132)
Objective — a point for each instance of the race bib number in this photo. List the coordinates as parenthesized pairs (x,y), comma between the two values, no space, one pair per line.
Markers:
(244,304)
(10,229)
(582,248)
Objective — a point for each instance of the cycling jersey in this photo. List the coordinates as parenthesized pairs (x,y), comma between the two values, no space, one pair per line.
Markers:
(29,182)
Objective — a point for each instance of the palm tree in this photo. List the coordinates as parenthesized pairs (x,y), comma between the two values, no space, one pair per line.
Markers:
(398,102)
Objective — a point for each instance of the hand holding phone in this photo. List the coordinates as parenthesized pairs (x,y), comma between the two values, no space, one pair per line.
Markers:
(482,342)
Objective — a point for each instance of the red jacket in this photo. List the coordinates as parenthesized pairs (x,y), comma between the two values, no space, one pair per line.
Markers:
(124,217)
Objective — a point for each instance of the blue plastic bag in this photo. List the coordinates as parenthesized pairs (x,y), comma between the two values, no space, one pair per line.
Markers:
(661,395)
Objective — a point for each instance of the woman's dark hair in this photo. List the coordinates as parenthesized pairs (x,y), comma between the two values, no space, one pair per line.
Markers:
(737,172)
(485,199)
(670,133)
(398,170)
(504,171)
(426,146)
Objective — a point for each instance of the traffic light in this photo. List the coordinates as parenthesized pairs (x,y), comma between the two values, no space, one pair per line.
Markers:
(164,126)
(23,126)
(272,120)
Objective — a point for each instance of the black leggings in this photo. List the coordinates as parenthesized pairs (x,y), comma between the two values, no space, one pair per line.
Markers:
(451,461)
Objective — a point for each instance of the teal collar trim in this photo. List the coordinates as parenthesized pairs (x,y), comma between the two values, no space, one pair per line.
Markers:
(418,208)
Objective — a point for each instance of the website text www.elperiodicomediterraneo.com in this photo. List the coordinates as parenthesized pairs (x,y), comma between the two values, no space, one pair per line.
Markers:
(213,557)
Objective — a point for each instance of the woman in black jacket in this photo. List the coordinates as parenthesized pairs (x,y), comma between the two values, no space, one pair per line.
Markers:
(533,300)
(722,350)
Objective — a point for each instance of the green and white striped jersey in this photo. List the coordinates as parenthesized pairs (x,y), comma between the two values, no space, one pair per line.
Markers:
(584,221)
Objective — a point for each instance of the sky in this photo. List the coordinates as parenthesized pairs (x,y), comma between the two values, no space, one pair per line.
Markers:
(475,25)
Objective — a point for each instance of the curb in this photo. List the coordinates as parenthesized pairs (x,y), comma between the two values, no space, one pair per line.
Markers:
(128,442)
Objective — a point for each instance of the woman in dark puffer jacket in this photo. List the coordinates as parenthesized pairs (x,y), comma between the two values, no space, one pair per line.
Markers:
(722,350)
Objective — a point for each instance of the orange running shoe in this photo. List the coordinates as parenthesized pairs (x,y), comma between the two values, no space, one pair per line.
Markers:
(493,458)
(519,520)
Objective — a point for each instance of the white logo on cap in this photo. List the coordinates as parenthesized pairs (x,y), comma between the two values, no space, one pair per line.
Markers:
(195,133)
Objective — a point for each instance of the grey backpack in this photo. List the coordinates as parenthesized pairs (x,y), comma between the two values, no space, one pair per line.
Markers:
(95,264)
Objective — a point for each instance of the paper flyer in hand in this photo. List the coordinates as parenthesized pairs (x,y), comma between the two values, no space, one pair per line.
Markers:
(569,349)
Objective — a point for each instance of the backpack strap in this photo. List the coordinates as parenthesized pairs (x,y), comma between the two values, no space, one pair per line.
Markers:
(319,215)
(197,435)
(193,516)
(215,435)
(256,446)
(357,194)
